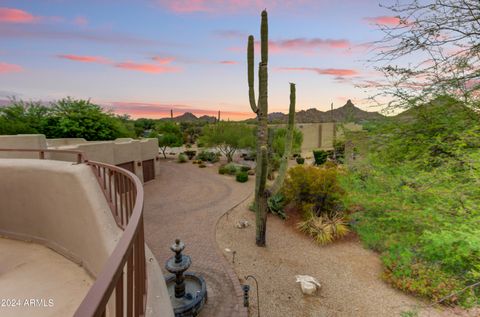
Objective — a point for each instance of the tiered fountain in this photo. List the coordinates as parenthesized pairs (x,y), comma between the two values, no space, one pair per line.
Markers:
(188,291)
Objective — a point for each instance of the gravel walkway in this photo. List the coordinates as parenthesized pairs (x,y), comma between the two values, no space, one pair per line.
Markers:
(186,202)
(349,274)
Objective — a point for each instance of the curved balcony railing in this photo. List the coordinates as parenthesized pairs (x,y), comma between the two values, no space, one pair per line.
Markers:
(123,277)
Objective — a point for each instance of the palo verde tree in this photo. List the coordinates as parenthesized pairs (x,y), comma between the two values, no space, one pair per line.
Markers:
(261,109)
(228,137)
(168,135)
(444,37)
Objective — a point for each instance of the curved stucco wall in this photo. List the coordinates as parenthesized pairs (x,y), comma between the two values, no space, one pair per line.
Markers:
(59,204)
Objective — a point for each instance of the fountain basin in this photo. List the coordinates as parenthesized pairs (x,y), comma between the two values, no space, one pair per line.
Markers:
(195,295)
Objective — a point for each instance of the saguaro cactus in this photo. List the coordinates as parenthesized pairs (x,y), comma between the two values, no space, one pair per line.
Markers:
(261,109)
(288,143)
(171,114)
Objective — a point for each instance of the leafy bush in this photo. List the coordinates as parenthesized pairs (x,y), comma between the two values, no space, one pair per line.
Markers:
(230,169)
(320,156)
(209,156)
(222,170)
(182,158)
(420,201)
(324,229)
(190,153)
(314,186)
(300,160)
(242,177)
(245,168)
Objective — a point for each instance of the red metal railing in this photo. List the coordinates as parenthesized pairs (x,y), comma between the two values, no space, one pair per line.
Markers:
(123,277)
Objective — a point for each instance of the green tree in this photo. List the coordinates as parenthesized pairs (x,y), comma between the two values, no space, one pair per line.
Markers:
(278,144)
(143,124)
(70,118)
(228,137)
(23,117)
(168,135)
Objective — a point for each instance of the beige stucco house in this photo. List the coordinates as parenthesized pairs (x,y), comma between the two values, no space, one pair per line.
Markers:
(138,156)
(71,230)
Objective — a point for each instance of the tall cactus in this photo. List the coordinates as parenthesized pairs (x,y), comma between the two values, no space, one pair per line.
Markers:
(288,143)
(261,109)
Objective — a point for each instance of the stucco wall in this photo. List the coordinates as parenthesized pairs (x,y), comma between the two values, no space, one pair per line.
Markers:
(59,204)
(64,141)
(22,141)
(311,136)
(321,135)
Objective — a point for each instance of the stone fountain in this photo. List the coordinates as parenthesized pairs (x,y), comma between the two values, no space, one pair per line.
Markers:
(188,291)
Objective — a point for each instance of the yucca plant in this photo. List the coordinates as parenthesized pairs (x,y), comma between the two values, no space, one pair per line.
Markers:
(324,229)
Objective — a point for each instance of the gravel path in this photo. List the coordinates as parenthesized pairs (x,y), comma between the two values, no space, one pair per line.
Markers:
(186,202)
(349,274)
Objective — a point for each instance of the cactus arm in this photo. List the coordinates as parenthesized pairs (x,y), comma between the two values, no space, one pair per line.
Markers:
(288,143)
(264,37)
(250,62)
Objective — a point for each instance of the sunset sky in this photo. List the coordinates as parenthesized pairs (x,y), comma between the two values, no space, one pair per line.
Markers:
(144,57)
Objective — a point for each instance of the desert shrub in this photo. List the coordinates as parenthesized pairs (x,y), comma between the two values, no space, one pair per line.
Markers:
(276,205)
(190,153)
(182,158)
(245,168)
(241,177)
(202,165)
(208,156)
(300,160)
(222,170)
(231,169)
(315,186)
(418,189)
(320,156)
(323,229)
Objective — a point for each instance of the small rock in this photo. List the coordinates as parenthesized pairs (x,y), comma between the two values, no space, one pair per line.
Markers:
(228,250)
(308,284)
(251,172)
(242,224)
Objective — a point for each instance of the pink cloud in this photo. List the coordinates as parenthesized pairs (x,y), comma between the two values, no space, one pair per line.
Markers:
(147,68)
(80,21)
(215,6)
(163,60)
(9,68)
(84,58)
(339,72)
(161,67)
(302,45)
(9,15)
(138,109)
(384,20)
(228,62)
